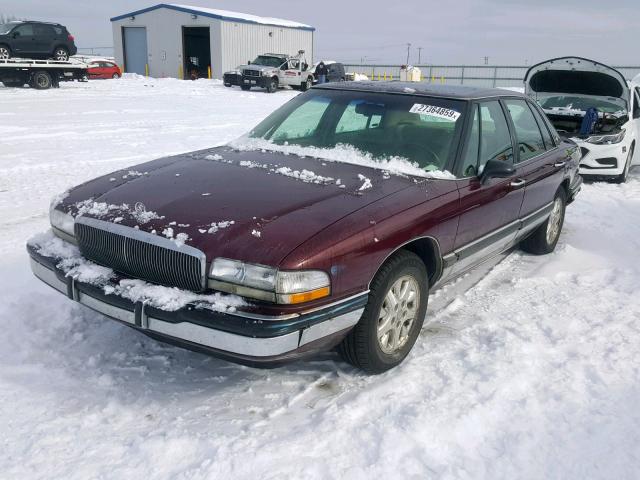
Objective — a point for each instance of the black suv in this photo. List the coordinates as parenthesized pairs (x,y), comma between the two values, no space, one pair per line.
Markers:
(36,40)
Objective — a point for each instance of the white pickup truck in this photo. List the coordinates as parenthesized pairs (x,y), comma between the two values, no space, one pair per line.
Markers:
(272,71)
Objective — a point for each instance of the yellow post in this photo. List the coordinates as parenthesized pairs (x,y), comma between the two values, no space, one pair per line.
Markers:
(146,69)
(385,76)
(433,79)
(378,76)
(373,74)
(209,72)
(180,76)
(442,79)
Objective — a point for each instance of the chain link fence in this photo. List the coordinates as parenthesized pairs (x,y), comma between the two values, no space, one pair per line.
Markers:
(473,75)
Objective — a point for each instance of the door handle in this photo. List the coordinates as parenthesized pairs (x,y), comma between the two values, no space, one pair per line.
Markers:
(517,183)
(559,164)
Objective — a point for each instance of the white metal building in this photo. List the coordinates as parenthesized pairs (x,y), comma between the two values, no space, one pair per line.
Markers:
(170,40)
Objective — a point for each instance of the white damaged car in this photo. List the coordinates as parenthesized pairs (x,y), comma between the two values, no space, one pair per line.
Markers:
(596,107)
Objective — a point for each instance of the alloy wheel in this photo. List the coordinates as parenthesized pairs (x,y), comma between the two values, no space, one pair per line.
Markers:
(397,314)
(555,221)
(4,53)
(61,55)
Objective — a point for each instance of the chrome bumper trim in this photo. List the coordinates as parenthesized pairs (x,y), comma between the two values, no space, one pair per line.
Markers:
(208,337)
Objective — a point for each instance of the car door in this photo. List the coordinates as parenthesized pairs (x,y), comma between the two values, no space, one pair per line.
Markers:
(23,40)
(291,74)
(540,165)
(43,38)
(489,208)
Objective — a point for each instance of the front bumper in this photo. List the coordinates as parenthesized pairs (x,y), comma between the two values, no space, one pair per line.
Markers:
(241,337)
(252,81)
(603,160)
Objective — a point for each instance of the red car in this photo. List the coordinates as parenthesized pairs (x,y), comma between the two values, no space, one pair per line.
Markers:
(104,69)
(328,225)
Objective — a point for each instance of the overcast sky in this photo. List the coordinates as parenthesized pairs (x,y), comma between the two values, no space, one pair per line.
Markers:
(450,32)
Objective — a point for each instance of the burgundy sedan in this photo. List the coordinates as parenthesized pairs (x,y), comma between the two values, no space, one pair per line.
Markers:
(104,69)
(328,225)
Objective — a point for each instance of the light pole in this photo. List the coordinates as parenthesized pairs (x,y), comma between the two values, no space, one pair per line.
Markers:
(408,51)
(419,55)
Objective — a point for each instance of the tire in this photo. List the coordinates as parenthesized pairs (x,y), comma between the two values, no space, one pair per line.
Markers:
(622,178)
(227,85)
(5,52)
(367,346)
(307,84)
(115,76)
(246,88)
(544,239)
(41,80)
(61,54)
(272,86)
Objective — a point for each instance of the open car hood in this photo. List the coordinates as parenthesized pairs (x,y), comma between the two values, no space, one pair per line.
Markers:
(576,76)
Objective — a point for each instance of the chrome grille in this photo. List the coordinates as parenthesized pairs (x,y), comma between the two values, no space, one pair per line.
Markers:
(251,73)
(140,254)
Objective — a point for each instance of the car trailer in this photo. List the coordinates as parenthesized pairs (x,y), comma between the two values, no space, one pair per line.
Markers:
(40,74)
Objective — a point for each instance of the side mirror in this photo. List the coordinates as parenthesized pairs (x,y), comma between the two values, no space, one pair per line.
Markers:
(497,169)
(16,34)
(249,62)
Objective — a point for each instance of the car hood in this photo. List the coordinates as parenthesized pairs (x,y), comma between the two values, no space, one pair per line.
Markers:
(254,206)
(578,76)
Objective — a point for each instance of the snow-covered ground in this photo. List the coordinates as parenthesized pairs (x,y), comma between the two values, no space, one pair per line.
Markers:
(533,373)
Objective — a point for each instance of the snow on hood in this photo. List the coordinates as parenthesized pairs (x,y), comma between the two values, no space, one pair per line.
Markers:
(72,263)
(576,76)
(345,154)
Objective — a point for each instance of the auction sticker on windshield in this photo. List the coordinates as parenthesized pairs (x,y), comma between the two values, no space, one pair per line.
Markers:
(433,111)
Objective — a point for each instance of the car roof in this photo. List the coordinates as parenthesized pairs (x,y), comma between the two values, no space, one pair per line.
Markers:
(422,88)
(34,21)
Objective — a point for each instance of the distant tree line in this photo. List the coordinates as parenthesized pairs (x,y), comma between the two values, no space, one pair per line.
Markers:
(7,18)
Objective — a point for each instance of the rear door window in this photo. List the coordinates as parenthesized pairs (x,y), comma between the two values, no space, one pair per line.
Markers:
(528,136)
(495,138)
(43,30)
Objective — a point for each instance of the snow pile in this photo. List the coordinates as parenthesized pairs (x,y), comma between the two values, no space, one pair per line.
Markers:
(366,182)
(341,153)
(73,264)
(215,226)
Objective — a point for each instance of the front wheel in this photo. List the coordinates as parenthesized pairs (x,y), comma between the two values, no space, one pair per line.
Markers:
(5,52)
(115,76)
(622,178)
(272,86)
(544,239)
(307,84)
(246,88)
(392,318)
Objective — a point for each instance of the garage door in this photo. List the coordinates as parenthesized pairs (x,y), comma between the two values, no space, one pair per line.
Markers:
(135,49)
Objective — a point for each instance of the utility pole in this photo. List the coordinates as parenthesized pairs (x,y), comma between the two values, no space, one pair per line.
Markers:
(419,55)
(486,60)
(408,51)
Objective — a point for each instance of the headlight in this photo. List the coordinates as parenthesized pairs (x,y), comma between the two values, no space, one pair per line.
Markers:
(607,139)
(62,224)
(266,283)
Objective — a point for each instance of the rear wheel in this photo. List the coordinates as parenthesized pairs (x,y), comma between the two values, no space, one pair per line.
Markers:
(246,88)
(544,239)
(627,166)
(272,86)
(5,52)
(61,54)
(392,318)
(41,80)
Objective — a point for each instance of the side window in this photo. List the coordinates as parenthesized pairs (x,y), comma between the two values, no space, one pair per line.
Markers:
(355,118)
(470,159)
(303,122)
(529,138)
(294,64)
(42,30)
(24,30)
(495,139)
(546,136)
(58,30)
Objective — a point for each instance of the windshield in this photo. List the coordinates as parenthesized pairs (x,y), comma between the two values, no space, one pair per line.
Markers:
(421,130)
(582,103)
(6,28)
(268,61)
